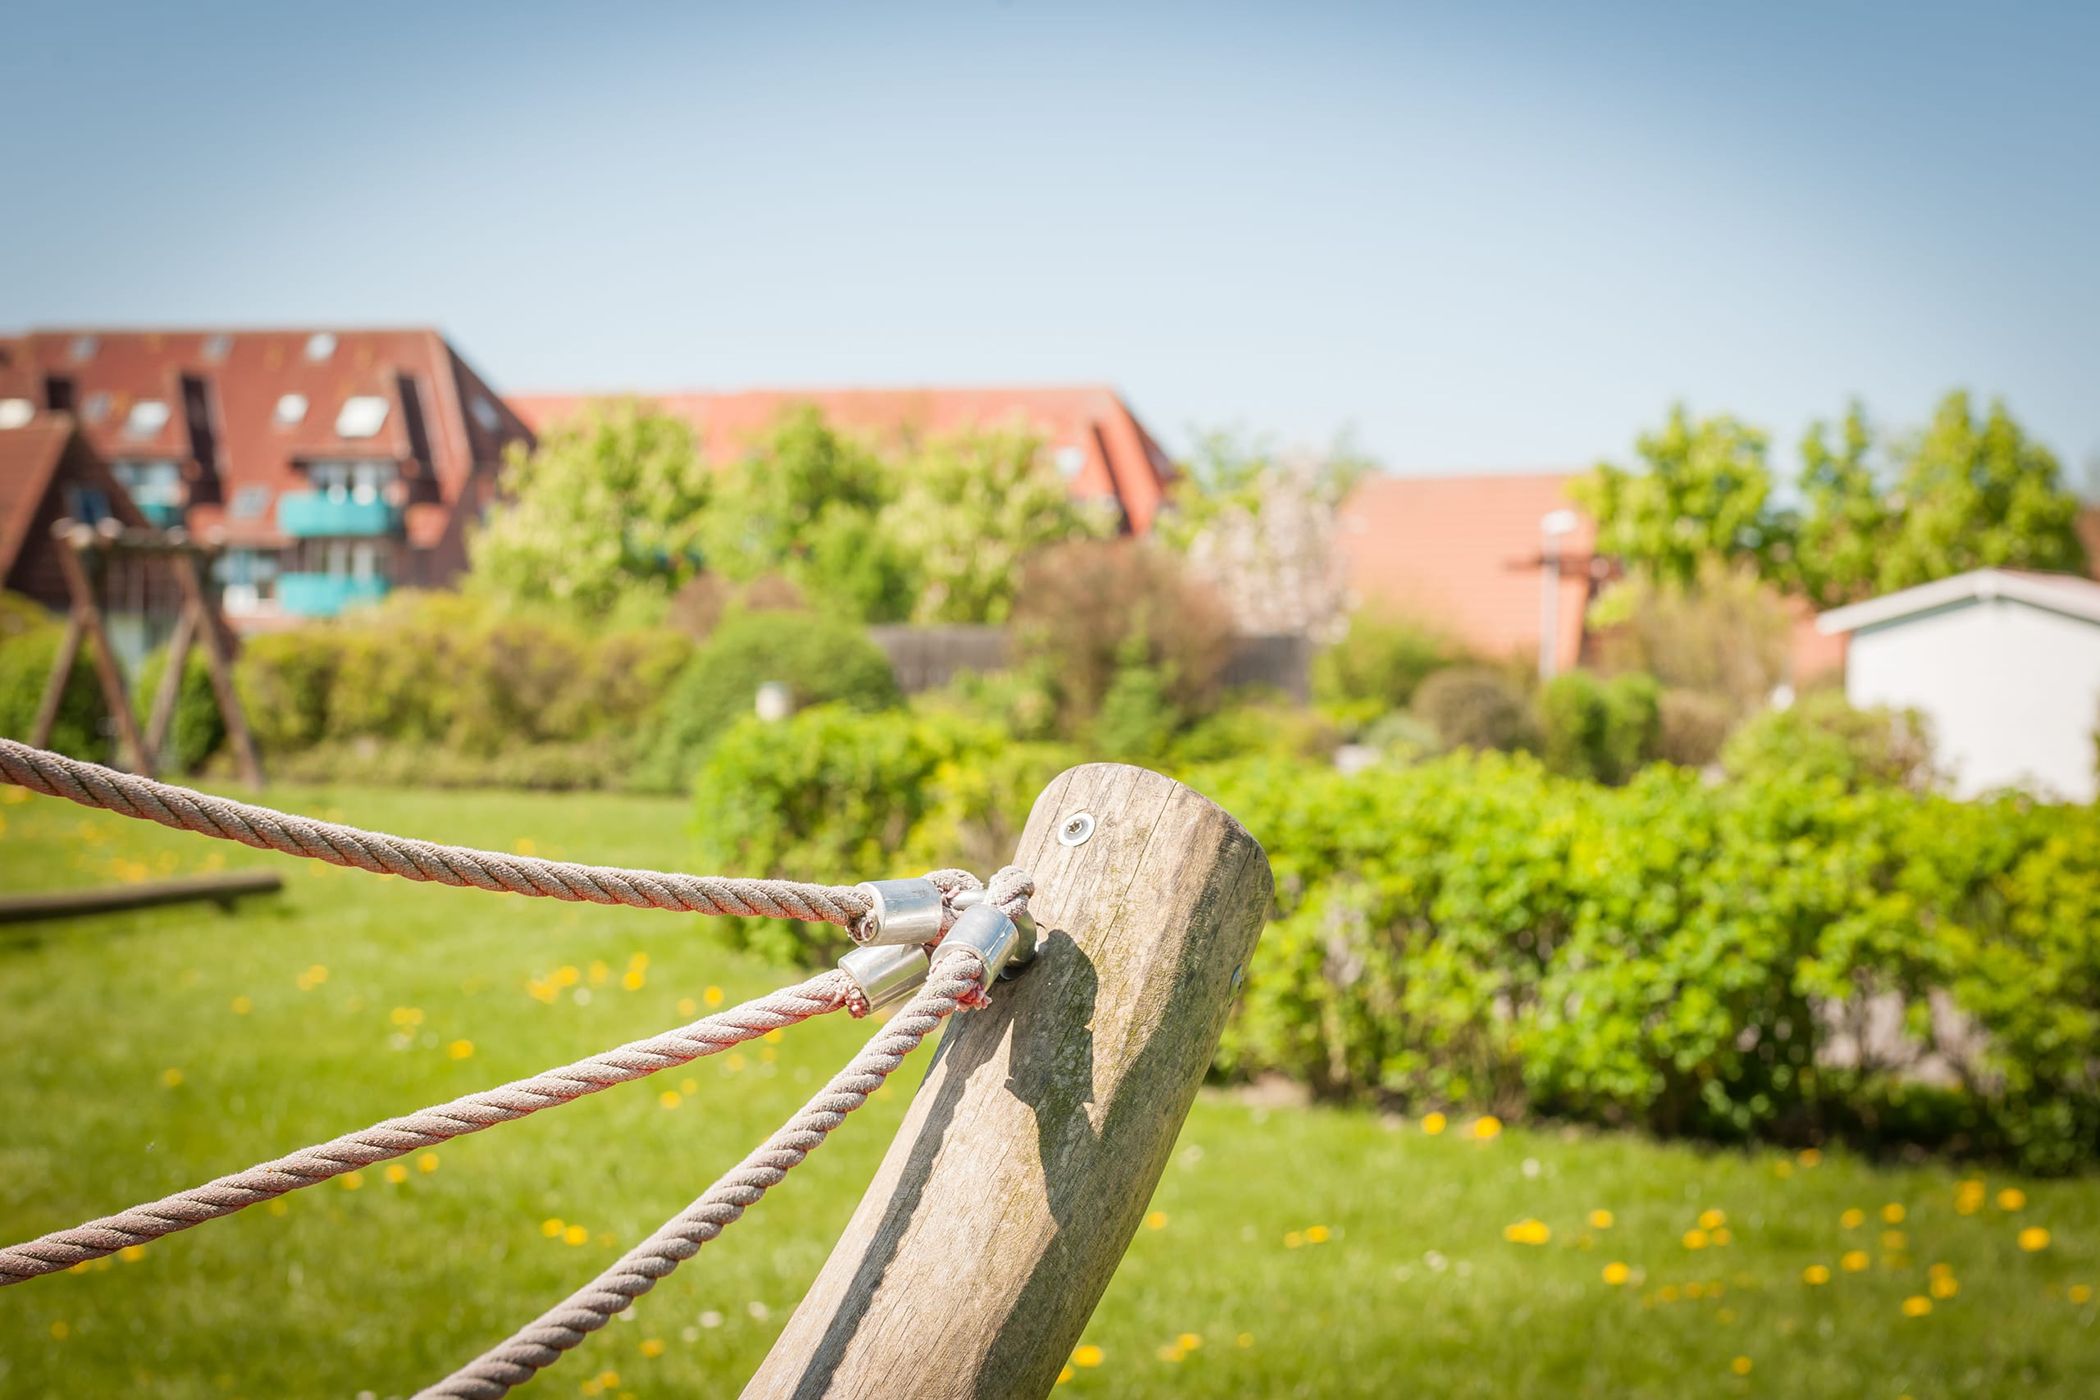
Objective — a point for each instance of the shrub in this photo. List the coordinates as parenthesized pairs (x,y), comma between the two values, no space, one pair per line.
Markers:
(837,795)
(1603,730)
(1382,659)
(1821,737)
(197,729)
(1261,726)
(29,641)
(1474,707)
(1725,634)
(1678,956)
(1091,609)
(819,659)
(1691,726)
(284,680)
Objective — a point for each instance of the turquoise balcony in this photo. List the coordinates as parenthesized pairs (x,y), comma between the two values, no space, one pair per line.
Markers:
(310,514)
(160,514)
(325,595)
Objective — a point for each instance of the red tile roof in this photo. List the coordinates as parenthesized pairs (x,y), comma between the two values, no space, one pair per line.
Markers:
(1464,553)
(1090,432)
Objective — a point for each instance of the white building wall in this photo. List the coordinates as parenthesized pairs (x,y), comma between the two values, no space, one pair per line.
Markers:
(2012,691)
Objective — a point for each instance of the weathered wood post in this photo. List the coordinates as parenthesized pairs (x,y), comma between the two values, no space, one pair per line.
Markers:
(1030,1152)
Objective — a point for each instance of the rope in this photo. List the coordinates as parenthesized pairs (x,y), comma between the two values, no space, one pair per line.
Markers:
(92,785)
(951,984)
(397,1137)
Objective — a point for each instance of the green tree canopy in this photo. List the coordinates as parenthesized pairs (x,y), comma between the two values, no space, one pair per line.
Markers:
(1703,492)
(607,507)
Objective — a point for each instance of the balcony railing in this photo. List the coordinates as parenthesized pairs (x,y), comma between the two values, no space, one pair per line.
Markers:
(311,514)
(325,595)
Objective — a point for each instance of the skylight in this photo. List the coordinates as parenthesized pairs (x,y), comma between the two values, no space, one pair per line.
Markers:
(361,417)
(485,414)
(96,408)
(84,347)
(147,417)
(291,411)
(320,345)
(216,346)
(15,413)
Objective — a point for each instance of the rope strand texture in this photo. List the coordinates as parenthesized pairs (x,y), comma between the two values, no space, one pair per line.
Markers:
(397,1137)
(92,785)
(955,975)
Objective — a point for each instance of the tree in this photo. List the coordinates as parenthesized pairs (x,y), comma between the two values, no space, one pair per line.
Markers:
(607,509)
(1846,519)
(1703,493)
(805,503)
(1259,526)
(971,510)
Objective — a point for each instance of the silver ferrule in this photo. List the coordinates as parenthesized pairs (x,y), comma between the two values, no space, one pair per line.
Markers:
(988,930)
(905,911)
(886,975)
(1025,950)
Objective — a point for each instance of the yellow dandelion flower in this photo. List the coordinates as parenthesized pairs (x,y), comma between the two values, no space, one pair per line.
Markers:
(1782,1169)
(1616,1273)
(1917,1305)
(551,1227)
(278,1205)
(1853,1219)
(1853,1261)
(1087,1357)
(1741,1365)
(1667,1293)
(1243,1340)
(2033,1239)
(773,1036)
(2079,1293)
(1894,1241)
(1066,1373)
(1722,1237)
(670,1098)
(1156,1220)
(317,974)
(688,1007)
(1188,1341)
(242,1006)
(1293,1240)
(1527,1231)
(1317,1234)
(2012,1198)
(575,1235)
(1433,1123)
(689,1087)
(567,975)
(734,1063)
(1600,1220)
(633,980)
(1695,1289)
(1486,1127)
(352,1180)
(1712,1219)
(426,1162)
(652,1347)
(1816,1275)
(1809,1157)
(1943,1287)
(598,972)
(171,1077)
(1695,1239)
(132,1253)
(1893,1213)
(461,1049)
(396,1173)
(60,1331)
(609,1379)
(712,996)
(1171,1354)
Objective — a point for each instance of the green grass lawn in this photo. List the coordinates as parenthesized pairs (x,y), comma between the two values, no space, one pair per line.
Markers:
(1290,1252)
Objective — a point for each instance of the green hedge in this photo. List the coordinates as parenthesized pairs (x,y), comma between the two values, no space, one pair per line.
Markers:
(29,639)
(1679,956)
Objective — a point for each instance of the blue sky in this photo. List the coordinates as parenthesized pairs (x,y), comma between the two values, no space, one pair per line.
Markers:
(1485,237)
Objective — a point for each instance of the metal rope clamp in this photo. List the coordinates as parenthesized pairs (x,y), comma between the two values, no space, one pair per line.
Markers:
(900,911)
(1007,944)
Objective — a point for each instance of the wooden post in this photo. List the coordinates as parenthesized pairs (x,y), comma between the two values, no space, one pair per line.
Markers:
(206,623)
(71,540)
(1028,1157)
(55,687)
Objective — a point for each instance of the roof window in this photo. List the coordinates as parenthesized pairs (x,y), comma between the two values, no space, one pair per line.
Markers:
(362,416)
(485,414)
(95,407)
(16,413)
(147,417)
(320,345)
(84,347)
(290,411)
(217,346)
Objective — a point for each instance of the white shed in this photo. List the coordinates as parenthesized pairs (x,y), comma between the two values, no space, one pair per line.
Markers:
(2005,664)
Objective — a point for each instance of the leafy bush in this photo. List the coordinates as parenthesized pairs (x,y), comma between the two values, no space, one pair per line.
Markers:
(1724,633)
(1474,707)
(1091,609)
(1678,956)
(819,659)
(1603,730)
(573,766)
(197,729)
(1822,737)
(837,795)
(1691,726)
(284,680)
(1262,726)
(29,640)
(1382,659)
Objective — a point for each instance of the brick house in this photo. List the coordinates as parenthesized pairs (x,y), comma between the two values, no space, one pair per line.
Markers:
(1089,434)
(331,465)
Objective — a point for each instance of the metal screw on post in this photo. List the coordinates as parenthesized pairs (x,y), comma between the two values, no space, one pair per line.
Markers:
(1076,829)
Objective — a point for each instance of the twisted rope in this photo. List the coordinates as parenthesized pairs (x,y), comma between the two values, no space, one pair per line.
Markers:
(397,1137)
(92,785)
(952,983)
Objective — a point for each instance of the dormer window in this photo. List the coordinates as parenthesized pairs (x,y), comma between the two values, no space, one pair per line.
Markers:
(362,416)
(319,346)
(16,413)
(217,346)
(147,417)
(83,348)
(290,411)
(485,414)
